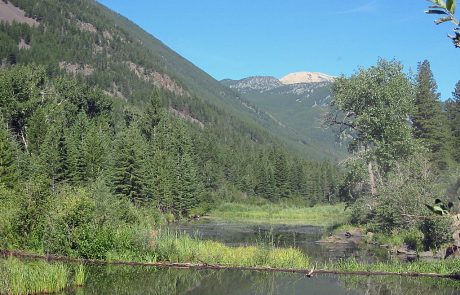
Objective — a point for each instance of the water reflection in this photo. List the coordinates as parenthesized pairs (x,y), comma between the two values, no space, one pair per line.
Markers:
(141,280)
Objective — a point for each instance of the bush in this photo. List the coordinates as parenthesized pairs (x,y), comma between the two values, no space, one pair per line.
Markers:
(436,231)
(401,195)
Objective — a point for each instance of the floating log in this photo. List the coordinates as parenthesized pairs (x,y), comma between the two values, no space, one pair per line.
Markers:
(201,266)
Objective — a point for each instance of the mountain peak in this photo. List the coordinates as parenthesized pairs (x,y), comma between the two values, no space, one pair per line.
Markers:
(306,77)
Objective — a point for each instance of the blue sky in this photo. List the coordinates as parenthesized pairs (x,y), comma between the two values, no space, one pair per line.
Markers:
(240,38)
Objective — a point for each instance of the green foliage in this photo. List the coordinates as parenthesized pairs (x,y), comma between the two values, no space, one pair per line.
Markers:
(436,231)
(376,103)
(9,173)
(447,12)
(403,194)
(372,110)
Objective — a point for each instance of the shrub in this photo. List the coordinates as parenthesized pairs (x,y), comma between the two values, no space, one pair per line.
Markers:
(436,231)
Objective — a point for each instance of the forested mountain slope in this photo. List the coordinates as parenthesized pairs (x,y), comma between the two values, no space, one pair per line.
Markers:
(102,74)
(297,105)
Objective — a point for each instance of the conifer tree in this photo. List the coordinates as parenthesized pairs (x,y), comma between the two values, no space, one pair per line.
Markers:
(429,121)
(128,171)
(152,115)
(453,111)
(55,155)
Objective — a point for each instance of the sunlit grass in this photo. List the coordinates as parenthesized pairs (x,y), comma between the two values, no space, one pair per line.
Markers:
(443,267)
(321,215)
(19,277)
(174,247)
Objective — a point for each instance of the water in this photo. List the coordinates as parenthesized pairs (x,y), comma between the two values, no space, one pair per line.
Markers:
(141,280)
(303,237)
(147,280)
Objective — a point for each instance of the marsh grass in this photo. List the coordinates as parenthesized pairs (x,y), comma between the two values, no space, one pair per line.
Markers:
(79,279)
(176,247)
(443,267)
(19,277)
(321,215)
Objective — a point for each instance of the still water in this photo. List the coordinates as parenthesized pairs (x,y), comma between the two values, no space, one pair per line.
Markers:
(143,280)
(140,280)
(303,237)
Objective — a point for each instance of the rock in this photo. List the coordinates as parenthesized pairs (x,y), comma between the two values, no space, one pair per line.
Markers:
(404,250)
(426,254)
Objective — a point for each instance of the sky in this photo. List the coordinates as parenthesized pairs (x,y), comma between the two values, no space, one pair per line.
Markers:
(240,38)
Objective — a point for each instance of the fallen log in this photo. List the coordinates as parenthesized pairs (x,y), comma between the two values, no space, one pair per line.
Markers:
(201,266)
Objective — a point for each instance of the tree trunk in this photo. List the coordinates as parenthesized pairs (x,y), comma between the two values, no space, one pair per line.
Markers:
(371,178)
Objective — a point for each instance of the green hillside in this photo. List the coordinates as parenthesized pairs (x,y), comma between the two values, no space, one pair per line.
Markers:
(298,109)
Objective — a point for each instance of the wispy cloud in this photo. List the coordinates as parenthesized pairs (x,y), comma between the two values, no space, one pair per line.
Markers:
(370,7)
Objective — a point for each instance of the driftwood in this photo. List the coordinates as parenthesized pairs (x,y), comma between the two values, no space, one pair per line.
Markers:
(201,266)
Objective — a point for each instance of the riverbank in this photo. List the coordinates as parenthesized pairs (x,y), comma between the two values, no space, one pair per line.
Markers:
(320,215)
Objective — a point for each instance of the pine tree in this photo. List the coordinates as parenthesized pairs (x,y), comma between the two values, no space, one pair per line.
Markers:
(453,111)
(152,116)
(8,166)
(128,171)
(55,154)
(281,174)
(429,122)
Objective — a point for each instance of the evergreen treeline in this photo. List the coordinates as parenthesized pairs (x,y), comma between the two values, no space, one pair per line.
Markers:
(71,134)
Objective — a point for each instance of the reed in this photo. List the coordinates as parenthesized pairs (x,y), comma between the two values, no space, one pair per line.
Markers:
(18,277)
(177,247)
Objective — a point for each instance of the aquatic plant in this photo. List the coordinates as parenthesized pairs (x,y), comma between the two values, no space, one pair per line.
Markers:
(19,277)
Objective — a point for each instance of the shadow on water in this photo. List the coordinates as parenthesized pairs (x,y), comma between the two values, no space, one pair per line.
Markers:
(141,280)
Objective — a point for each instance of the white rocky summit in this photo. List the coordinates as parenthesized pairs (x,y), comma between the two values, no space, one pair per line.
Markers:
(306,77)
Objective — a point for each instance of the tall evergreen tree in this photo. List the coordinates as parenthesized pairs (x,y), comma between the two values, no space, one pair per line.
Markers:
(128,171)
(453,111)
(152,115)
(429,121)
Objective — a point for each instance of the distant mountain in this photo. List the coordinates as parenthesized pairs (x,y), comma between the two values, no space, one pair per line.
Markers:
(298,107)
(258,83)
(306,77)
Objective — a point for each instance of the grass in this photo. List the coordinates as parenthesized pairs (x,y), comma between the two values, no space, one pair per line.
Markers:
(443,267)
(19,277)
(320,215)
(174,247)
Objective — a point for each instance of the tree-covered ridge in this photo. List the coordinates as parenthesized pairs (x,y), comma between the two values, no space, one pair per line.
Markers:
(71,134)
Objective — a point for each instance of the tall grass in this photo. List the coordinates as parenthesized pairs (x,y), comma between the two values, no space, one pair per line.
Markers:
(321,215)
(175,247)
(79,279)
(19,277)
(443,267)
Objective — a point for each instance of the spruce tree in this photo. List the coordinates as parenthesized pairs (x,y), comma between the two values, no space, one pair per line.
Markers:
(429,122)
(453,110)
(128,171)
(152,115)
